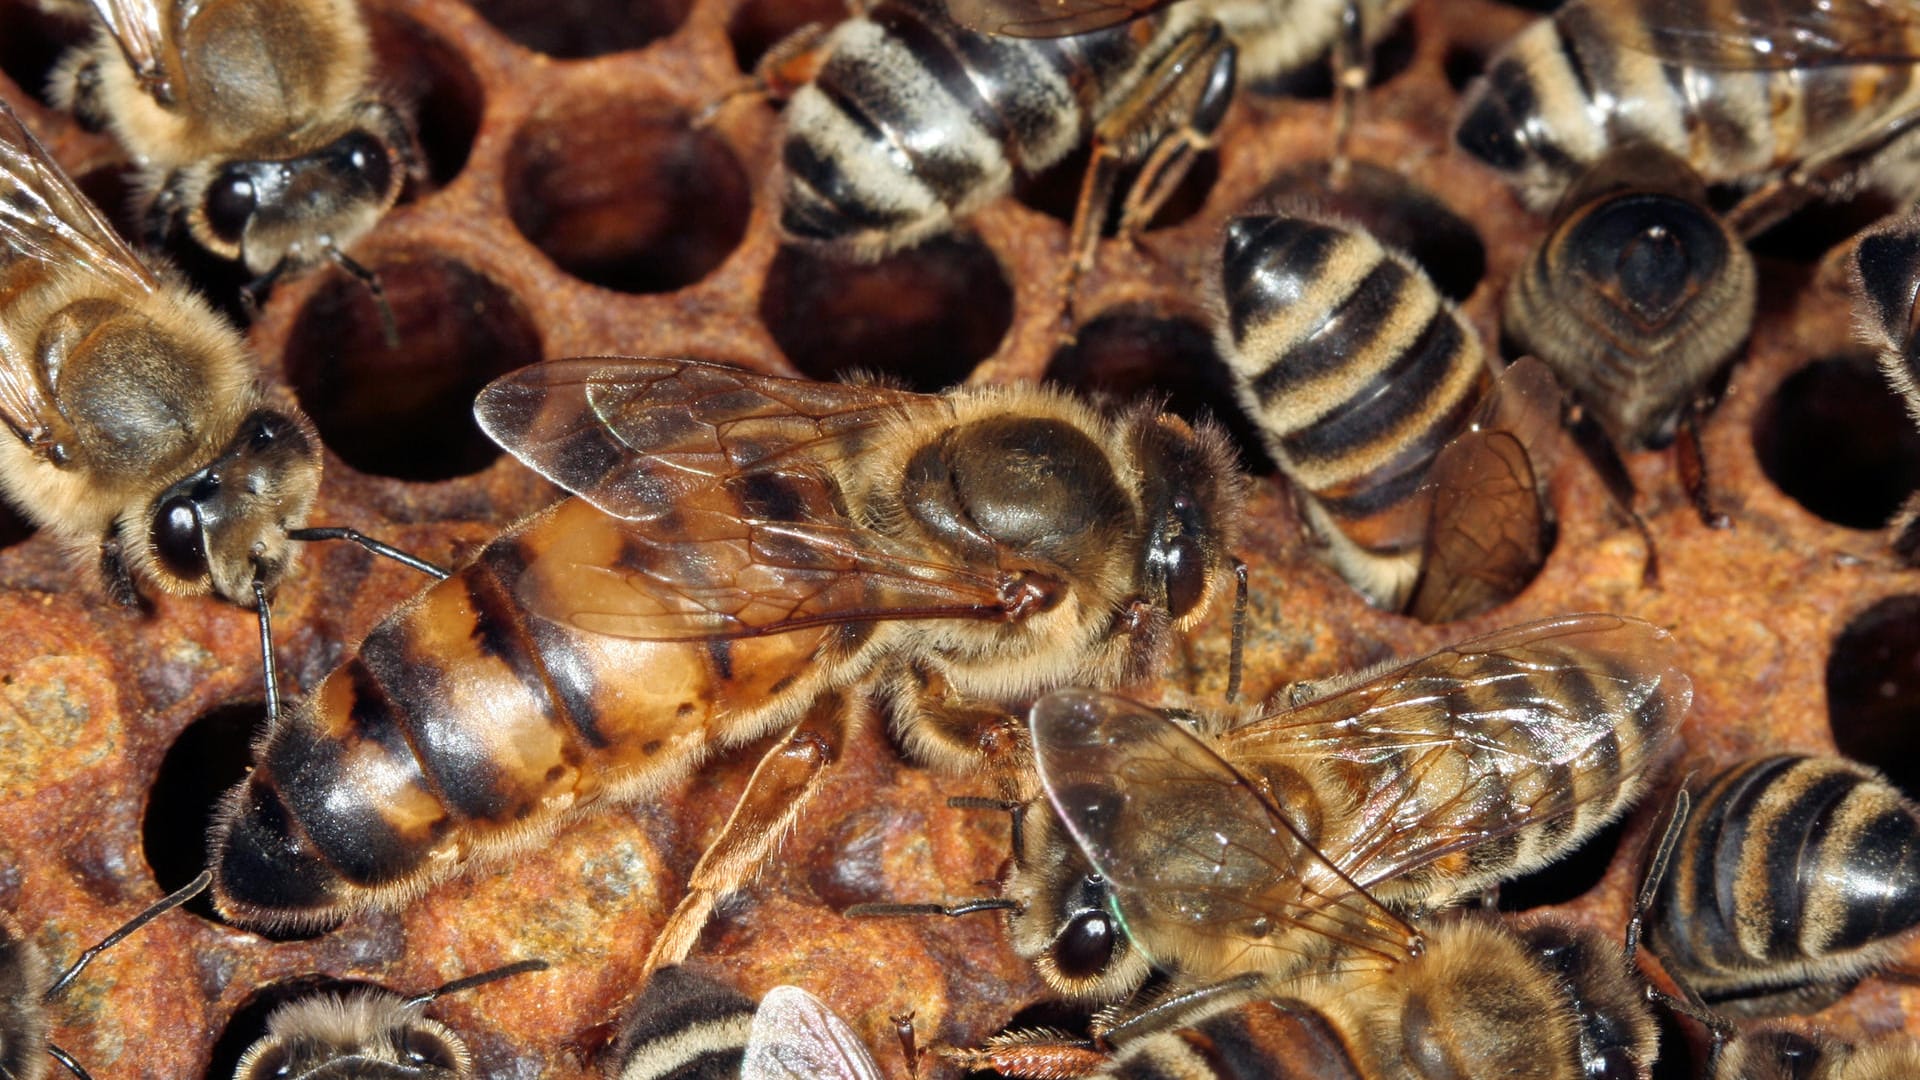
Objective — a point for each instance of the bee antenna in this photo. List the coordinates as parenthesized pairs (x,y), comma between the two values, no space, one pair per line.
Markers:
(1657,863)
(389,327)
(268,675)
(483,978)
(160,907)
(1237,654)
(983,802)
(254,292)
(964,907)
(66,1059)
(378,547)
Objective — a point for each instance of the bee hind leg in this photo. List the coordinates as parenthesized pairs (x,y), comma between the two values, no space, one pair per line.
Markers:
(785,780)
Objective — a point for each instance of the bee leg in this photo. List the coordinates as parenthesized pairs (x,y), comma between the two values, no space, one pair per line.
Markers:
(954,733)
(909,1047)
(1351,58)
(165,217)
(1177,1010)
(113,569)
(1604,456)
(1692,460)
(1177,104)
(1037,1054)
(786,778)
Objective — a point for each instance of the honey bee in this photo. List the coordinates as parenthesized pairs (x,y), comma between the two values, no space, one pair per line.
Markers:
(1780,99)
(1778,1052)
(1541,998)
(1363,378)
(368,1033)
(1883,270)
(25,990)
(255,124)
(923,111)
(138,430)
(1248,852)
(749,555)
(685,1026)
(1638,294)
(1791,871)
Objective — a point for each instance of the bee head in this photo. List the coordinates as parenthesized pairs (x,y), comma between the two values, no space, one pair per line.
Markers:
(291,211)
(223,528)
(364,1036)
(1064,922)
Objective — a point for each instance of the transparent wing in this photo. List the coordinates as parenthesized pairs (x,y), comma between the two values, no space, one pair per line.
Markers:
(1208,876)
(796,1037)
(139,28)
(1047,18)
(1478,741)
(1755,36)
(731,519)
(1487,530)
(47,227)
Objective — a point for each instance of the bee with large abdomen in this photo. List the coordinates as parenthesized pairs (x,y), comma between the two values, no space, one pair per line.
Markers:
(685,1026)
(1783,98)
(747,556)
(1791,872)
(254,123)
(1883,271)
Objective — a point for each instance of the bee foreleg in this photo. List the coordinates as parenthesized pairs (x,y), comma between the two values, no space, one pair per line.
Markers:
(1167,116)
(1604,456)
(1032,1055)
(786,778)
(955,733)
(1692,459)
(1182,1009)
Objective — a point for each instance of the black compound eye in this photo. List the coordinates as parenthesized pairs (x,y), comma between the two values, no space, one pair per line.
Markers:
(179,540)
(230,204)
(1085,948)
(1186,574)
(262,435)
(427,1049)
(364,156)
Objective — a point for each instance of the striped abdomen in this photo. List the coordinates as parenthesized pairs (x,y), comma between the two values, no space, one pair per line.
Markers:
(1592,78)
(1792,870)
(1358,373)
(1257,1041)
(464,723)
(683,1026)
(913,122)
(1477,763)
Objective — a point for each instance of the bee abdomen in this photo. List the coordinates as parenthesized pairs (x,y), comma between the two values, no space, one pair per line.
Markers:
(684,1027)
(912,121)
(1792,869)
(1261,1041)
(1357,370)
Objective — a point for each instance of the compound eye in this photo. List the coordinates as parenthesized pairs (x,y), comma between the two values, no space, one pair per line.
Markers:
(428,1050)
(230,204)
(364,156)
(179,540)
(1186,574)
(1085,948)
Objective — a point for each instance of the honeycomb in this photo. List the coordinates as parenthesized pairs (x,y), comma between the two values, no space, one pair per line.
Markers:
(572,206)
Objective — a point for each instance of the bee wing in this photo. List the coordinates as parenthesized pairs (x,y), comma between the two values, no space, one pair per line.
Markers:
(1477,741)
(139,28)
(1047,18)
(1746,37)
(47,226)
(1206,871)
(731,523)
(1487,524)
(796,1037)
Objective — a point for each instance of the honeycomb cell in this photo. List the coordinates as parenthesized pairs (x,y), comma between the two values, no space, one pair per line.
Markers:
(579,29)
(1129,355)
(653,211)
(407,412)
(759,25)
(1568,878)
(422,70)
(1837,441)
(925,316)
(1055,191)
(1398,212)
(1873,690)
